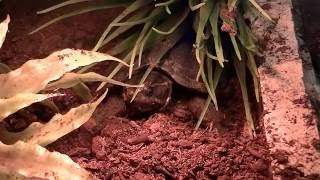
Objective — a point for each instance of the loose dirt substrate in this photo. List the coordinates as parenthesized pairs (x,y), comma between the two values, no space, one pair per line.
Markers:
(289,119)
(164,146)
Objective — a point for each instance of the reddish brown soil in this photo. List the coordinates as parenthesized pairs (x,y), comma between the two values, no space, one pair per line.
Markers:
(162,146)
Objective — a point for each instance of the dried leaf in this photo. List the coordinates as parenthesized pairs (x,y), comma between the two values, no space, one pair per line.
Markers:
(58,126)
(19,101)
(4,29)
(34,75)
(27,161)
(256,5)
(72,79)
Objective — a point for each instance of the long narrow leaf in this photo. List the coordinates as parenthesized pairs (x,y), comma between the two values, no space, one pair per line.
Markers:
(133,7)
(157,54)
(82,91)
(251,64)
(151,41)
(241,73)
(179,20)
(19,101)
(142,35)
(23,161)
(60,5)
(256,5)
(246,37)
(119,30)
(156,14)
(121,47)
(203,113)
(205,12)
(216,77)
(71,79)
(58,126)
(214,18)
(4,29)
(236,47)
(74,13)
(195,7)
(34,75)
(232,4)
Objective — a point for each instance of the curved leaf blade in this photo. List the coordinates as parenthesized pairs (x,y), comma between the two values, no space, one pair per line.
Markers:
(19,101)
(26,161)
(72,79)
(34,75)
(58,126)
(60,5)
(4,29)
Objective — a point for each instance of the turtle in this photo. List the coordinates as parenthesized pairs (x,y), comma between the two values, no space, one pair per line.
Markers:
(177,68)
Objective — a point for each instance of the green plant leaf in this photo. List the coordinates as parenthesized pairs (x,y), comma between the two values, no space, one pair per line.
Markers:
(195,7)
(213,83)
(245,35)
(157,14)
(120,48)
(251,64)
(203,113)
(204,14)
(240,67)
(82,91)
(205,80)
(179,20)
(130,9)
(151,41)
(142,35)
(232,4)
(157,53)
(60,5)
(71,79)
(143,43)
(58,126)
(125,45)
(83,10)
(256,5)
(51,105)
(23,161)
(119,30)
(236,47)
(214,18)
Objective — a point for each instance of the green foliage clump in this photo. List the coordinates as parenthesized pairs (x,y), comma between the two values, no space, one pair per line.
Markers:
(218,25)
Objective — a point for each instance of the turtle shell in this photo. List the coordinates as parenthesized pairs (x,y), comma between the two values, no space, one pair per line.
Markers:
(182,67)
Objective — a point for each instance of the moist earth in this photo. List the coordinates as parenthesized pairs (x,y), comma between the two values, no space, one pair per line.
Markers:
(113,145)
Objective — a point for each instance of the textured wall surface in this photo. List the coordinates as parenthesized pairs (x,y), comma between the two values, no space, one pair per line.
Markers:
(289,118)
